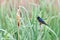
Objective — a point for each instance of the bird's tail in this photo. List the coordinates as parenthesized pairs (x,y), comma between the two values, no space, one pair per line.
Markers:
(47,24)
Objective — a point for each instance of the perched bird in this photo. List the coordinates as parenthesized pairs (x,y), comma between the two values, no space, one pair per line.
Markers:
(41,21)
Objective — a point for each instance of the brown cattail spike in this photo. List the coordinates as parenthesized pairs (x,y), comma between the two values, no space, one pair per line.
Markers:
(18,17)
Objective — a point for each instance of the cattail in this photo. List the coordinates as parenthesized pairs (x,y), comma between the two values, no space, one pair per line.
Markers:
(18,17)
(18,21)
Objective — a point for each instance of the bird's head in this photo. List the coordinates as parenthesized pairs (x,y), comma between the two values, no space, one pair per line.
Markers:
(38,17)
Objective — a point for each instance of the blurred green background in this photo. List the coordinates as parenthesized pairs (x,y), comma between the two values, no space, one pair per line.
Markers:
(29,29)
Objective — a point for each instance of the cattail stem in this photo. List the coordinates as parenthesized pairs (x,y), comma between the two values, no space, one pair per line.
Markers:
(18,34)
(18,30)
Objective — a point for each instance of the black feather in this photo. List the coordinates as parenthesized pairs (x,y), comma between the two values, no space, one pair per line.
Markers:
(41,20)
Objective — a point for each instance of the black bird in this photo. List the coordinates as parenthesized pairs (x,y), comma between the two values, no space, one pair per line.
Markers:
(41,21)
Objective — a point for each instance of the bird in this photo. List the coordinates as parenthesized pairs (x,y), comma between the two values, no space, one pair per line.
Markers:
(41,21)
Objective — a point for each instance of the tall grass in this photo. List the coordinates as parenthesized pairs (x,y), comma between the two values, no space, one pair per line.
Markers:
(29,27)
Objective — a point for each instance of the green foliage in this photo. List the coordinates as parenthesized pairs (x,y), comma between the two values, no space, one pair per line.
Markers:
(29,27)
